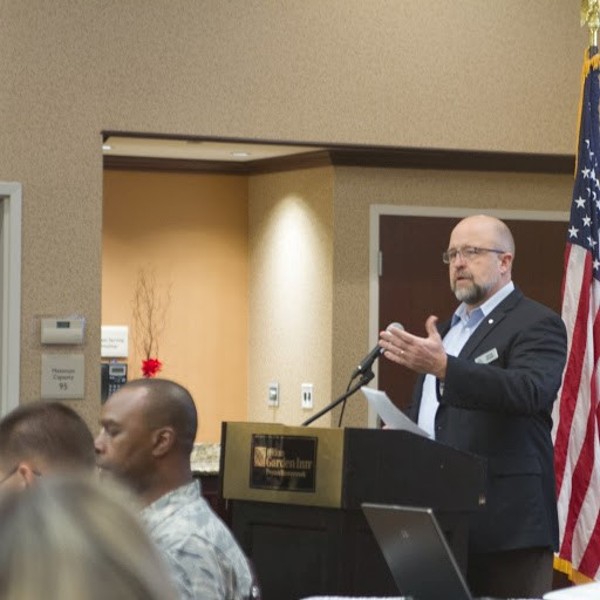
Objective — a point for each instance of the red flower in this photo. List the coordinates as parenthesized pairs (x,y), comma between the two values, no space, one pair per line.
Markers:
(151,366)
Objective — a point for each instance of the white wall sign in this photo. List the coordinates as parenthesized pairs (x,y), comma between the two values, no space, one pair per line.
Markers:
(62,376)
(114,341)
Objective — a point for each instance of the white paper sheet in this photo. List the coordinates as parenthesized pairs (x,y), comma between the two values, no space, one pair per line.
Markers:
(390,414)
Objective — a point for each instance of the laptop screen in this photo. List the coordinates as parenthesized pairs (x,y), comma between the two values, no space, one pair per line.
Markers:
(416,552)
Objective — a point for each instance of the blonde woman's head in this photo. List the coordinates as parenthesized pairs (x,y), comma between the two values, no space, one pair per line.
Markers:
(72,538)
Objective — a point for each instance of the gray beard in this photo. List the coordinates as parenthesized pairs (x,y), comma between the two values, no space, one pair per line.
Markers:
(474,294)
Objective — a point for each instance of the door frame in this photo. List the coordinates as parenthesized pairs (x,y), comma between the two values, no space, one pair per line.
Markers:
(10,276)
(378,210)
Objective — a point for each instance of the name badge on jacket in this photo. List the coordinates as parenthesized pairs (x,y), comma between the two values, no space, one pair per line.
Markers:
(487,357)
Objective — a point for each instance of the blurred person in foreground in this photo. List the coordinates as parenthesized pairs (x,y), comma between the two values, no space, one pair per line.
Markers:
(489,378)
(69,538)
(43,437)
(147,435)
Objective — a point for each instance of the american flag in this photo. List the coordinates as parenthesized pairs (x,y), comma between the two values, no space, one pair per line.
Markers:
(577,413)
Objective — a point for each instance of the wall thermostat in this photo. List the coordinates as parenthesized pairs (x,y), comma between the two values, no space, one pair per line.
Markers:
(63,331)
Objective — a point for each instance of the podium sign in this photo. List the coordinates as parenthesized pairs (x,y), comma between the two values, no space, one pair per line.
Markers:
(282,462)
(269,462)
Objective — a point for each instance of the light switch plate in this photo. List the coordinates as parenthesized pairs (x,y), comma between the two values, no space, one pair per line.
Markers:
(307,395)
(273,397)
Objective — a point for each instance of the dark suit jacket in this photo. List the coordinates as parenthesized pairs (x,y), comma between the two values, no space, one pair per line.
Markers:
(502,412)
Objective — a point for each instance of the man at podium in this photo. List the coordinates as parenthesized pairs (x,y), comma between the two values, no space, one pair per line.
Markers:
(489,377)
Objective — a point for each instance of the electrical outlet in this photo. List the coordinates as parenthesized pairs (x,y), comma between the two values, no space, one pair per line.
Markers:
(307,395)
(273,397)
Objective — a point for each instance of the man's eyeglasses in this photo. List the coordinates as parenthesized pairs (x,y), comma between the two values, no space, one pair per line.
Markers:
(467,252)
(9,474)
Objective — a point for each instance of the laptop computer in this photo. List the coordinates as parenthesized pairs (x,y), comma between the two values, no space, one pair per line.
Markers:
(416,551)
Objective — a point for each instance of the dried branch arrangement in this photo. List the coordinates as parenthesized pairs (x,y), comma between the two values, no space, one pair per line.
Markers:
(149,315)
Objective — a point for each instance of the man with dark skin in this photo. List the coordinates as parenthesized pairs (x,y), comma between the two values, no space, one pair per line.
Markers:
(147,436)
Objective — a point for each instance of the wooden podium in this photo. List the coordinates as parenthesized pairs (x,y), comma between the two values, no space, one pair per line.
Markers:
(295,496)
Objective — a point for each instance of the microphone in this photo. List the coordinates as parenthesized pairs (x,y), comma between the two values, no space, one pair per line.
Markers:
(367,362)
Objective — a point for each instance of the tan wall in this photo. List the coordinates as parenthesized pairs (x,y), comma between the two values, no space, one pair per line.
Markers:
(191,233)
(466,74)
(291,291)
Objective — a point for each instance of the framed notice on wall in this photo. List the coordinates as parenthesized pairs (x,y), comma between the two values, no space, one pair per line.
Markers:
(115,340)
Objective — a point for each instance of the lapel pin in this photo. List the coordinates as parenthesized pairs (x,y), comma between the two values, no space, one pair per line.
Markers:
(490,321)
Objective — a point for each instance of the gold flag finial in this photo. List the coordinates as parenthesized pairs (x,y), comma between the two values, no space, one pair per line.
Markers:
(590,16)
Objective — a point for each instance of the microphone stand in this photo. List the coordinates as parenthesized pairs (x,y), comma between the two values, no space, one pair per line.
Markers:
(364,379)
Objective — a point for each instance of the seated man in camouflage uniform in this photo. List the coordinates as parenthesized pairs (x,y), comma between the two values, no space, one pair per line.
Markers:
(147,435)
